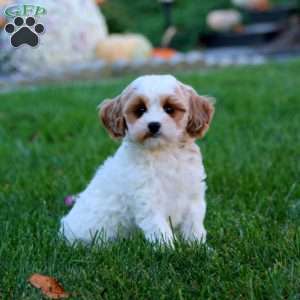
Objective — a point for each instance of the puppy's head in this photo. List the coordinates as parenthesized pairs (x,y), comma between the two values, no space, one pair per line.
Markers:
(156,110)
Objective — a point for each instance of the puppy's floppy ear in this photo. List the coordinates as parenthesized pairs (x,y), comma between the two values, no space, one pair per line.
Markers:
(200,113)
(111,115)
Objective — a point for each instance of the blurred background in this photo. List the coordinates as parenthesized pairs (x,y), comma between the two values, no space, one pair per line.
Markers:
(88,39)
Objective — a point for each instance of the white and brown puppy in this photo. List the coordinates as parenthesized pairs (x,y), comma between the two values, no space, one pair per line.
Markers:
(156,179)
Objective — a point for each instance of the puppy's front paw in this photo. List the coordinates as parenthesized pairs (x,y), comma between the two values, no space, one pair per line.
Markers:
(195,235)
(160,240)
(157,231)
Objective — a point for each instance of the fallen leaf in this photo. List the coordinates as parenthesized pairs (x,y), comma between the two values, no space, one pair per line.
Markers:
(49,286)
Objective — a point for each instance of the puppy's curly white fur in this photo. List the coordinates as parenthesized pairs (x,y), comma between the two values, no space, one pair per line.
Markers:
(156,177)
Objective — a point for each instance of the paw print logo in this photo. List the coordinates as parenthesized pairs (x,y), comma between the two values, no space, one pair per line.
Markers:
(24,31)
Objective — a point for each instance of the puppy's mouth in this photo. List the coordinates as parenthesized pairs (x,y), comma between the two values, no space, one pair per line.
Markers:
(153,135)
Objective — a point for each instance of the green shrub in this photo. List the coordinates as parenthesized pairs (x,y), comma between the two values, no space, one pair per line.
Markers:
(146,17)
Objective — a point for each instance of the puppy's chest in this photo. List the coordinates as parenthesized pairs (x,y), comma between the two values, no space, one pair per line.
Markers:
(178,176)
(166,181)
(177,182)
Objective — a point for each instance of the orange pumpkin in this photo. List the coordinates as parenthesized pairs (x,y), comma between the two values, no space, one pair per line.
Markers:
(164,53)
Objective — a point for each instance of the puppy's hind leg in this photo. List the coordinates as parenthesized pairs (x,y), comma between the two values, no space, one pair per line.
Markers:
(89,219)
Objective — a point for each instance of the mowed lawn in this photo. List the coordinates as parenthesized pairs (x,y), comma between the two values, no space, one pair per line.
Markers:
(51,143)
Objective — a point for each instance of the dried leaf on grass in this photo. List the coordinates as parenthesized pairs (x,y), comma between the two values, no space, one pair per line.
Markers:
(49,286)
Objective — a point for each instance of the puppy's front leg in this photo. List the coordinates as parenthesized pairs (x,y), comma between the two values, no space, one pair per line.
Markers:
(156,228)
(193,227)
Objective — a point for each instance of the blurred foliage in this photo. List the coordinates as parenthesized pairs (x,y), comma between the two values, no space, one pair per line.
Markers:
(146,17)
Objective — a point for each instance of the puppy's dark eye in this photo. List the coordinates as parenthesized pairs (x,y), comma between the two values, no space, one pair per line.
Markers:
(169,109)
(140,110)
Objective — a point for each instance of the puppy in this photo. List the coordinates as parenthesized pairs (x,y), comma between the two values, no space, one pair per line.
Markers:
(156,179)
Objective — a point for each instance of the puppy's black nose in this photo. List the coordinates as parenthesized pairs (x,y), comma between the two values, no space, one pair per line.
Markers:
(154,127)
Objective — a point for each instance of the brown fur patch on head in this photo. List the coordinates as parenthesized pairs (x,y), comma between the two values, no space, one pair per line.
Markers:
(133,106)
(111,115)
(174,107)
(201,112)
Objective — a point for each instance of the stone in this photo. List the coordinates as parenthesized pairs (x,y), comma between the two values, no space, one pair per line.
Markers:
(73,29)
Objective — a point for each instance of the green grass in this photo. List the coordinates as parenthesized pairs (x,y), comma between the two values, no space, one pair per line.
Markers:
(51,143)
